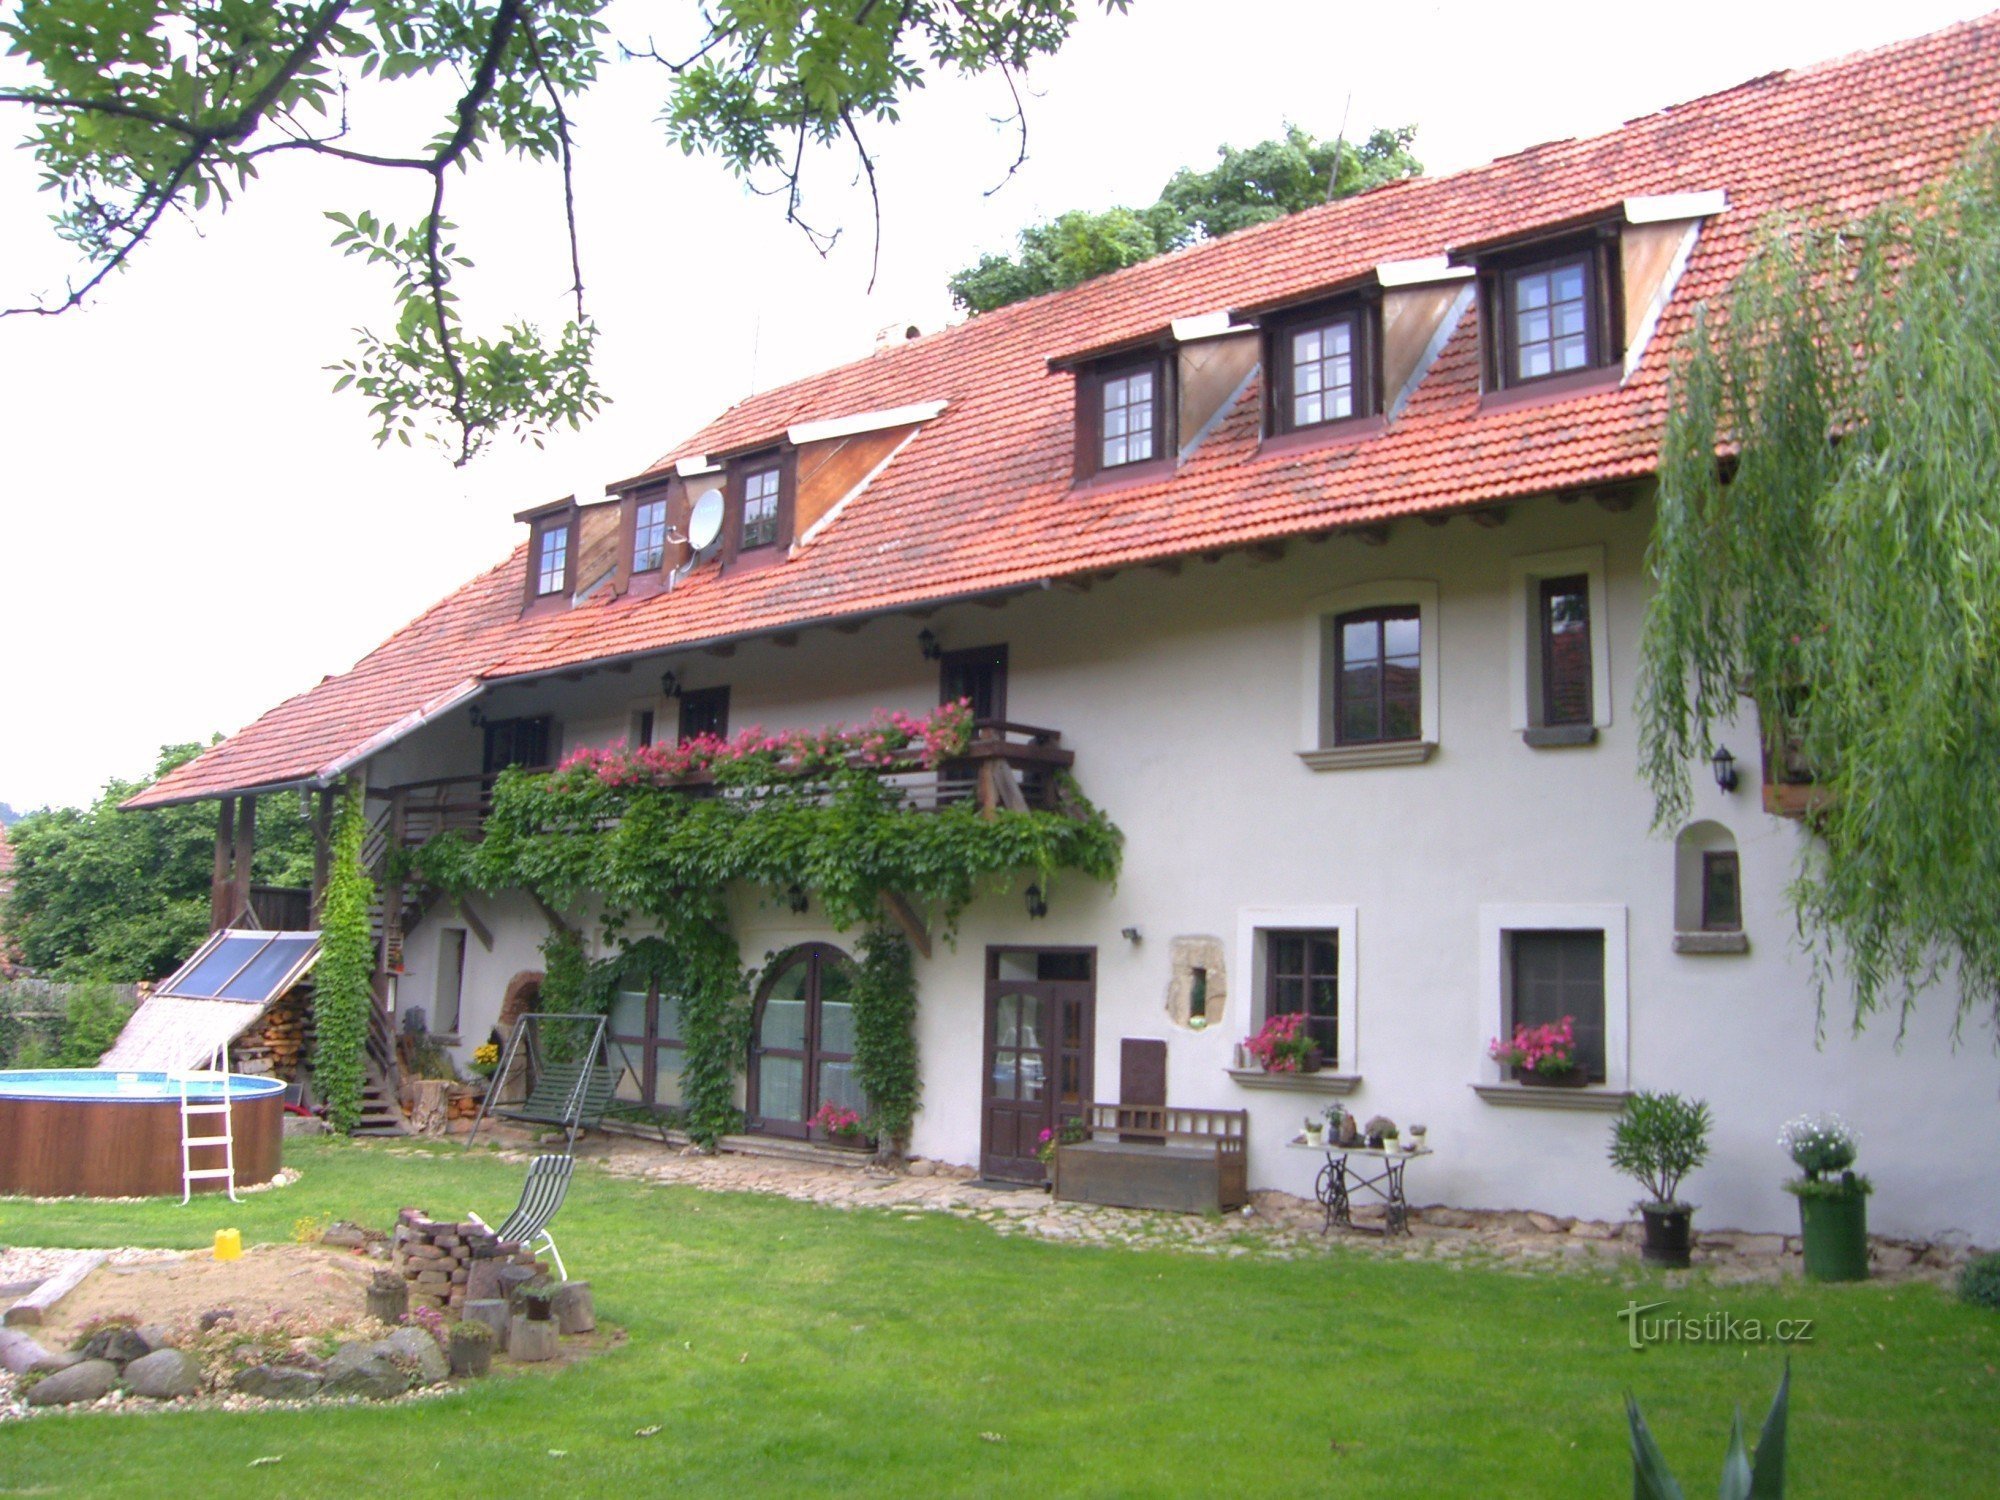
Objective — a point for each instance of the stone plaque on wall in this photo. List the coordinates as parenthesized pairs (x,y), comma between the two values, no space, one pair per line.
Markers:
(1198,983)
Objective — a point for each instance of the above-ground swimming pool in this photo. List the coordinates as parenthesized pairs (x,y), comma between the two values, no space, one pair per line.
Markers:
(82,1132)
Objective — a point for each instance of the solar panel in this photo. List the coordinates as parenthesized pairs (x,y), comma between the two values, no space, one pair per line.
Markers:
(204,978)
(260,978)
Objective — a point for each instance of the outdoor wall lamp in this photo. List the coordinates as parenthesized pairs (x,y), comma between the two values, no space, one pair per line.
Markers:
(670,685)
(797,896)
(928,644)
(1037,907)
(1130,934)
(1725,768)
(478,716)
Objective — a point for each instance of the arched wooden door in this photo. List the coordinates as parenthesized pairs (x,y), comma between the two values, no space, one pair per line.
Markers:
(802,1041)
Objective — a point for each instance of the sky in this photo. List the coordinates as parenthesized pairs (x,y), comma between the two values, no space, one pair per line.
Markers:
(193,528)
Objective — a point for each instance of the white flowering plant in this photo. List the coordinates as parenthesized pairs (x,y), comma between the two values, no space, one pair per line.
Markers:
(1824,1147)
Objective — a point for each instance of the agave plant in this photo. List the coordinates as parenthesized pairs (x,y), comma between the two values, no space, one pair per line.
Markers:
(1745,1476)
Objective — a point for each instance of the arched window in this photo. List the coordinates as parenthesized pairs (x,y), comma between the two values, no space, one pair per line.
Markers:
(802,1040)
(1708,891)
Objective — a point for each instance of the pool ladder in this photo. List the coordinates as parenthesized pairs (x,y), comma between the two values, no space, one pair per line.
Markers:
(200,1108)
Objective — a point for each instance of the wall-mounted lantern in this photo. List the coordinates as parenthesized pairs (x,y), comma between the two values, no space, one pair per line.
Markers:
(1037,907)
(927,642)
(1725,768)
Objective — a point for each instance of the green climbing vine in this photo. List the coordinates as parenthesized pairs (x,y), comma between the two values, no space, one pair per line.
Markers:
(617,831)
(1828,549)
(885,1039)
(341,989)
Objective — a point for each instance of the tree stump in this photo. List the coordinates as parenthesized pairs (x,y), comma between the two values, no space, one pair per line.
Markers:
(430,1110)
(513,1278)
(531,1340)
(388,1297)
(471,1348)
(493,1313)
(573,1309)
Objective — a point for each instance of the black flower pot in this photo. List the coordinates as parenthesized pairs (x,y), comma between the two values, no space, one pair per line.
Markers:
(1669,1238)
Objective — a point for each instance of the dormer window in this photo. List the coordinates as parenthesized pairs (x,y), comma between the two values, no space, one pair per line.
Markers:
(758,528)
(551,557)
(1323,364)
(760,509)
(1124,416)
(649,535)
(1553,313)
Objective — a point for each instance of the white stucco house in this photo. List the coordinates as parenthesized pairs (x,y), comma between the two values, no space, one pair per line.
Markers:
(1322,549)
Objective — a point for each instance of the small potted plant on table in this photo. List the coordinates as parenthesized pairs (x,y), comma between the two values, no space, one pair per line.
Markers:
(1833,1199)
(1657,1140)
(1544,1055)
(840,1126)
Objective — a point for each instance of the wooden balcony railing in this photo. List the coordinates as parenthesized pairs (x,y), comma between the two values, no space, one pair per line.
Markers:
(1006,767)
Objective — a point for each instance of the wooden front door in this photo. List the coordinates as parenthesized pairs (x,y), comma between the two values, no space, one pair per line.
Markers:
(1040,1029)
(802,1041)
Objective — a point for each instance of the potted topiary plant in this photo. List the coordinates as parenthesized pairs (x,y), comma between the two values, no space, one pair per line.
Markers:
(1833,1199)
(1657,1140)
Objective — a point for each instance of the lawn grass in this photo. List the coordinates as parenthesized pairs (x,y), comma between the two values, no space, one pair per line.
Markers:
(785,1348)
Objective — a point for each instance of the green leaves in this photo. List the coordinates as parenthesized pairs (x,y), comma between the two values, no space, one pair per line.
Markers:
(1743,1478)
(1845,579)
(342,986)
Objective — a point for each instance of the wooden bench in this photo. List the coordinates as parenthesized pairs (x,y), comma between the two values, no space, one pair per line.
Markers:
(1158,1156)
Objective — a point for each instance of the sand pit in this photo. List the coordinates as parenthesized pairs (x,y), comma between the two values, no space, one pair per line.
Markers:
(269,1283)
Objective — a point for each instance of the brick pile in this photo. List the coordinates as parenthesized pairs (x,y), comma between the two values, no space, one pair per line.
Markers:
(437,1257)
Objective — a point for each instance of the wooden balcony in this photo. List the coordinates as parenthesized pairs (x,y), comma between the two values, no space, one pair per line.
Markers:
(1006,767)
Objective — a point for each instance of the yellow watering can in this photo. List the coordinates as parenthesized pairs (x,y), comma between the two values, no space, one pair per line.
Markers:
(228,1244)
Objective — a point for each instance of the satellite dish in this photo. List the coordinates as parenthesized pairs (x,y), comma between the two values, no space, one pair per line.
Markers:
(705,520)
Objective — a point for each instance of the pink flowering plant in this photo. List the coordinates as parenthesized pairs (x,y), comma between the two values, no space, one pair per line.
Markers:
(890,742)
(1067,1133)
(1548,1050)
(1282,1045)
(836,1121)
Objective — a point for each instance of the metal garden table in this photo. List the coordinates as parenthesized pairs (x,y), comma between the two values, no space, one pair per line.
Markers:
(1379,1174)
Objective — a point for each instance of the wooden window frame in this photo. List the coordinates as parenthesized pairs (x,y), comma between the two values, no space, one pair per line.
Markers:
(1604,332)
(1546,589)
(1323,1029)
(548,723)
(691,696)
(639,503)
(1380,614)
(1090,383)
(1510,1014)
(734,554)
(1711,859)
(975,655)
(533,598)
(649,1042)
(1364,319)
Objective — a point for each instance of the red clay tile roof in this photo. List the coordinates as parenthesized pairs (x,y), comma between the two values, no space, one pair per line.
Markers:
(981,499)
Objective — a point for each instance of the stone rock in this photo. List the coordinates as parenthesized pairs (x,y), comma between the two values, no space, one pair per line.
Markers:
(62,1359)
(1894,1257)
(1761,1244)
(1593,1229)
(420,1349)
(276,1382)
(164,1375)
(1446,1218)
(217,1315)
(365,1369)
(344,1236)
(922,1167)
(80,1382)
(1546,1223)
(119,1345)
(573,1308)
(493,1313)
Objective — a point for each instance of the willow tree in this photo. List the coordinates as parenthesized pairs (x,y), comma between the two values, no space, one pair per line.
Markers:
(1828,549)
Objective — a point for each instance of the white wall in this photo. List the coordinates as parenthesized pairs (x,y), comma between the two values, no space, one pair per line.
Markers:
(1181,696)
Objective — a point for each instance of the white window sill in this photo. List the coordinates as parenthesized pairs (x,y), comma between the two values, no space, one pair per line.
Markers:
(1529,1096)
(1355,757)
(1300,1083)
(1711,942)
(1559,736)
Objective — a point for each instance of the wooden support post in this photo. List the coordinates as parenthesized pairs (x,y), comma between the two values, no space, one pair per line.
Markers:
(322,832)
(389,958)
(246,845)
(1008,788)
(906,918)
(220,882)
(474,925)
(988,796)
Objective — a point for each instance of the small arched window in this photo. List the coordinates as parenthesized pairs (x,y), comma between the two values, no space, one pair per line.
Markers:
(1708,891)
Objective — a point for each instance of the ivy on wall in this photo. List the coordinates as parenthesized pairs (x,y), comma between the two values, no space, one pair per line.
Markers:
(341,988)
(642,851)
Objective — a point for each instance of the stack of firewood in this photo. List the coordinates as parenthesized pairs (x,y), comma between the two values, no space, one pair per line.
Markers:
(280,1041)
(437,1257)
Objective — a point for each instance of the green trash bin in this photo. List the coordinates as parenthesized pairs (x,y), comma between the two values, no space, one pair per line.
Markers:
(1835,1229)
